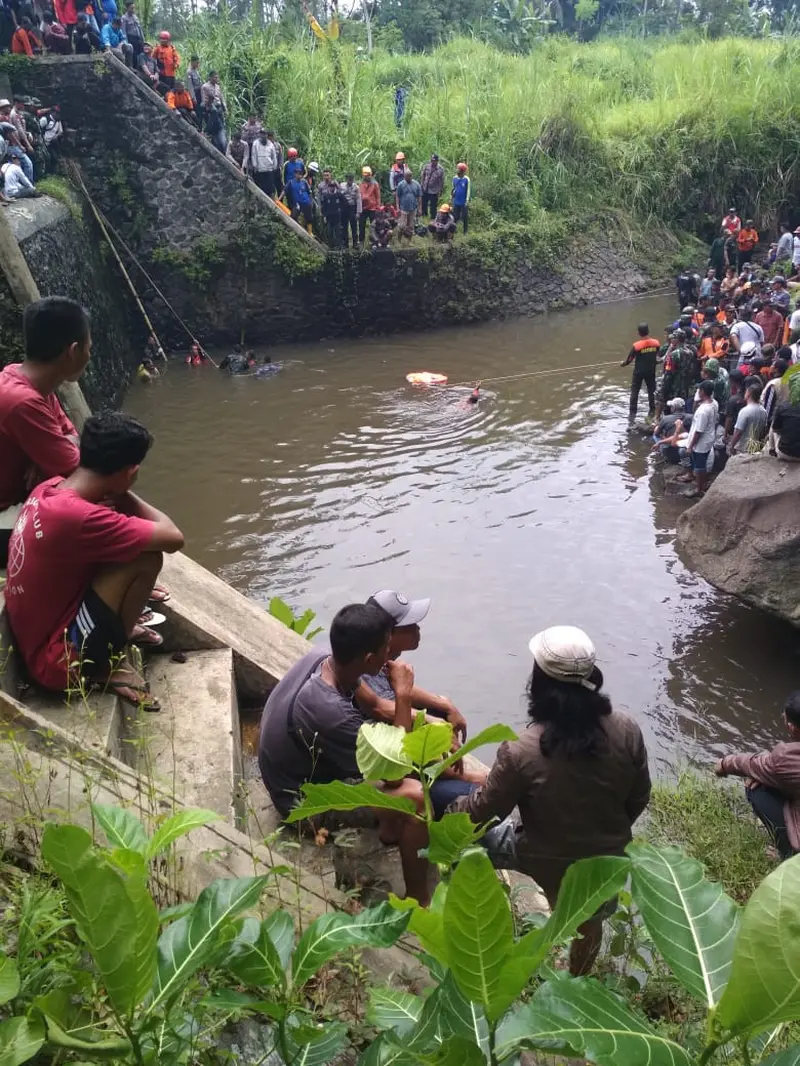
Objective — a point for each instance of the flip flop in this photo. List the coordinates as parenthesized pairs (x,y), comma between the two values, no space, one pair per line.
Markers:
(146,637)
(160,594)
(142,698)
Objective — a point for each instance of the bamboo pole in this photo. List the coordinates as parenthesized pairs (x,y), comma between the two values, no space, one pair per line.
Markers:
(25,290)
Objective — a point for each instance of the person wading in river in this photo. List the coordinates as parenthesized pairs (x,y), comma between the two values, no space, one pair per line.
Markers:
(643,355)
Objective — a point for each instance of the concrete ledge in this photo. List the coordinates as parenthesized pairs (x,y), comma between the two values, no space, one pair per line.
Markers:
(27,217)
(205,613)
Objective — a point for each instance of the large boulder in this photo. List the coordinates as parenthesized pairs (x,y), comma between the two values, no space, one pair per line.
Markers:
(744,536)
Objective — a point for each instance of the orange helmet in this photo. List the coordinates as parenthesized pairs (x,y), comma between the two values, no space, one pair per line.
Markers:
(292,153)
(164,35)
(400,157)
(461,166)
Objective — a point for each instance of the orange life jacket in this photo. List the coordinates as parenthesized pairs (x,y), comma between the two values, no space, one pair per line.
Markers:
(747,239)
(646,344)
(179,100)
(167,58)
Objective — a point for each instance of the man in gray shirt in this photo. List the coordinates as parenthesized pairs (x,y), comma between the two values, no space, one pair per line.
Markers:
(311,720)
(751,423)
(408,194)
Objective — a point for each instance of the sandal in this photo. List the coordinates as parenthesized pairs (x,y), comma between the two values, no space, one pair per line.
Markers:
(146,637)
(160,594)
(137,693)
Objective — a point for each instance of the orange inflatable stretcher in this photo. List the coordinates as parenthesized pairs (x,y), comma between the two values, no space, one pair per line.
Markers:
(426,377)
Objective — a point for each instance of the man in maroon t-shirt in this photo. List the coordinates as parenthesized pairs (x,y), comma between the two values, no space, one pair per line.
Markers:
(37,440)
(82,560)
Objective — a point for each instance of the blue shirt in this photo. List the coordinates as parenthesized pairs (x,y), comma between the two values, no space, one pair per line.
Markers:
(460,191)
(299,190)
(110,37)
(408,195)
(291,168)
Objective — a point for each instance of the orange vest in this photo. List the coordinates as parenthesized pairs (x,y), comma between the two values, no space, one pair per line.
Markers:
(747,239)
(646,344)
(167,58)
(180,100)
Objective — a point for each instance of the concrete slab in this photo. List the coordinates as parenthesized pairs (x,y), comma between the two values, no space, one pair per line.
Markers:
(204,613)
(192,746)
(95,719)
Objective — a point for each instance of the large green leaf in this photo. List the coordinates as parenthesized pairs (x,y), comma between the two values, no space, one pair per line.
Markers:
(104,913)
(385,1051)
(587,885)
(380,754)
(178,825)
(9,979)
(584,1016)
(789,1057)
(451,835)
(478,928)
(428,743)
(692,922)
(258,964)
(390,1008)
(493,734)
(142,962)
(189,942)
(458,1052)
(280,927)
(376,927)
(20,1039)
(338,796)
(426,925)
(461,1018)
(764,984)
(121,827)
(326,1045)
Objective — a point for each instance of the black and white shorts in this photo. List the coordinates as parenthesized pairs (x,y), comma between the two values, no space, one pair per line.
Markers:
(96,634)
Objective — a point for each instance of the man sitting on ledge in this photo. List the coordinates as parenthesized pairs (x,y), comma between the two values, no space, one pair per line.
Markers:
(82,561)
(37,440)
(311,721)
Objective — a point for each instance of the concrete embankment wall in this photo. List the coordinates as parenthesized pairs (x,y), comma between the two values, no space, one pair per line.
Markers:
(227,259)
(66,260)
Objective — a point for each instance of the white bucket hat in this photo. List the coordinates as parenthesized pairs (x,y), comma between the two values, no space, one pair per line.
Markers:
(565,653)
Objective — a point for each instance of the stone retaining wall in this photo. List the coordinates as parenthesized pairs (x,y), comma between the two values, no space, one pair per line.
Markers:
(228,261)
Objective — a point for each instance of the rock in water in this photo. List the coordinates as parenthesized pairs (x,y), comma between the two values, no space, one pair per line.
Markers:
(744,536)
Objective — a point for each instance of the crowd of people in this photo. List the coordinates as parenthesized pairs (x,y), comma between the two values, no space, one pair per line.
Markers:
(727,361)
(29,136)
(572,785)
(337,211)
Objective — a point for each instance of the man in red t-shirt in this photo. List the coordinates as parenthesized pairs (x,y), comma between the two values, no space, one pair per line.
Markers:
(82,560)
(37,440)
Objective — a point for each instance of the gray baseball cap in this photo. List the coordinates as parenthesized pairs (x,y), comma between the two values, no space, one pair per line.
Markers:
(404,612)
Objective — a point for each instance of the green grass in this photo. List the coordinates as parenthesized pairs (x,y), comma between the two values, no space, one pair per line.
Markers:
(711,819)
(660,129)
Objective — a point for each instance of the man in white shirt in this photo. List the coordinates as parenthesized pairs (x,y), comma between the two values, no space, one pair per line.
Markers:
(16,184)
(263,163)
(794,327)
(701,438)
(746,331)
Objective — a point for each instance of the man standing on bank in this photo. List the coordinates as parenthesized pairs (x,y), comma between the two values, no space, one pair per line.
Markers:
(643,356)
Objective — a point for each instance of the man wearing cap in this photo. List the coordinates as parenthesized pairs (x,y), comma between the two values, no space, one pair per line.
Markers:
(406,616)
(779,294)
(731,223)
(643,355)
(311,721)
(432,182)
(578,777)
(670,429)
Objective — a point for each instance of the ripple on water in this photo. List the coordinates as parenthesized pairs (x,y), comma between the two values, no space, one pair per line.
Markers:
(531,508)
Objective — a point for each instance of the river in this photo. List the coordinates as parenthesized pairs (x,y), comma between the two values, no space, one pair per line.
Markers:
(335,479)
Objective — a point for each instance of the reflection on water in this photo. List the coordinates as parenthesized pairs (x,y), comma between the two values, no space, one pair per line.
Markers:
(335,479)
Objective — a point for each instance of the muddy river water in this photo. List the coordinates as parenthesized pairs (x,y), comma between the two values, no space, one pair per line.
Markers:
(334,479)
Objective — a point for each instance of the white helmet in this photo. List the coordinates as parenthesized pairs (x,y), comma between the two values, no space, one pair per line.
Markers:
(314,168)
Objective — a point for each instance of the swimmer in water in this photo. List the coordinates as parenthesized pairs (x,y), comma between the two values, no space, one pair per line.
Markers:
(475,395)
(268,368)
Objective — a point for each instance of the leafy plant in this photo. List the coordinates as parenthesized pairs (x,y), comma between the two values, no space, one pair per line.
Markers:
(281,610)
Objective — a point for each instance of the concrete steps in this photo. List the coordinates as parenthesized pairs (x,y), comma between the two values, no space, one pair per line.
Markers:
(95,719)
(192,747)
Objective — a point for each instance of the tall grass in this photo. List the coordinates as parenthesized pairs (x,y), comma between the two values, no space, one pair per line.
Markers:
(657,128)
